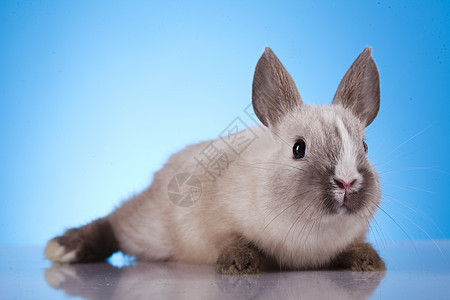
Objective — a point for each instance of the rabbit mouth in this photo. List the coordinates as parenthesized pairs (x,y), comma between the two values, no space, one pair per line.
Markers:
(342,198)
(343,201)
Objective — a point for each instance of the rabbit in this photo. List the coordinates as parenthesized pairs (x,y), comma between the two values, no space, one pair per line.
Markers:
(299,193)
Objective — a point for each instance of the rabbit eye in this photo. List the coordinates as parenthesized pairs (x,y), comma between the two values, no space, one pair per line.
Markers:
(299,149)
(366,148)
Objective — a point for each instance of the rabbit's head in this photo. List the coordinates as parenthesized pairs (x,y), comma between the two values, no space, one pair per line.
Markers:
(319,160)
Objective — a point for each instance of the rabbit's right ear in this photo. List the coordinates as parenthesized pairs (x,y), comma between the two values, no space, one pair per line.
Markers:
(274,92)
(359,90)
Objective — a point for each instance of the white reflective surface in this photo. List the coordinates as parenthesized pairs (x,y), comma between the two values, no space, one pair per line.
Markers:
(418,270)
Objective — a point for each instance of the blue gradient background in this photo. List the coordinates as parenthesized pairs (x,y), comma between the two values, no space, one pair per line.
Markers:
(95,96)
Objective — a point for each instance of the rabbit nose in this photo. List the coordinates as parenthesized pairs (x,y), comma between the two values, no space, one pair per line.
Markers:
(344,184)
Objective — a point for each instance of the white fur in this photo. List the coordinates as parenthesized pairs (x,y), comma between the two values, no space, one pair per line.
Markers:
(346,168)
(57,253)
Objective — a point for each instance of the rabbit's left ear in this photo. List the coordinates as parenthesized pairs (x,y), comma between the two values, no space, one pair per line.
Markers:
(359,90)
(274,92)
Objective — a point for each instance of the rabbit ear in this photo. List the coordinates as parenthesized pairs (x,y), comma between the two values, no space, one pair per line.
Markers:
(274,92)
(359,90)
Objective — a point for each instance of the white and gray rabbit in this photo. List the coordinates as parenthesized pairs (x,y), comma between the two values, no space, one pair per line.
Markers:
(300,194)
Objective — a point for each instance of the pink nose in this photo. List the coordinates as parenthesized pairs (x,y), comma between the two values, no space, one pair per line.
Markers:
(343,184)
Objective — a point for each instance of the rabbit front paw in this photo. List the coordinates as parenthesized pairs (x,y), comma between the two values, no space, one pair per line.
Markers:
(241,258)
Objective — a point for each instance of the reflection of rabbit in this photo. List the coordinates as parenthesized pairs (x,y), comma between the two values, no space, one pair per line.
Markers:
(301,194)
(181,281)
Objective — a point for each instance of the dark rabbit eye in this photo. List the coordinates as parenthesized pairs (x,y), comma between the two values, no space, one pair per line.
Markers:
(366,148)
(299,149)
